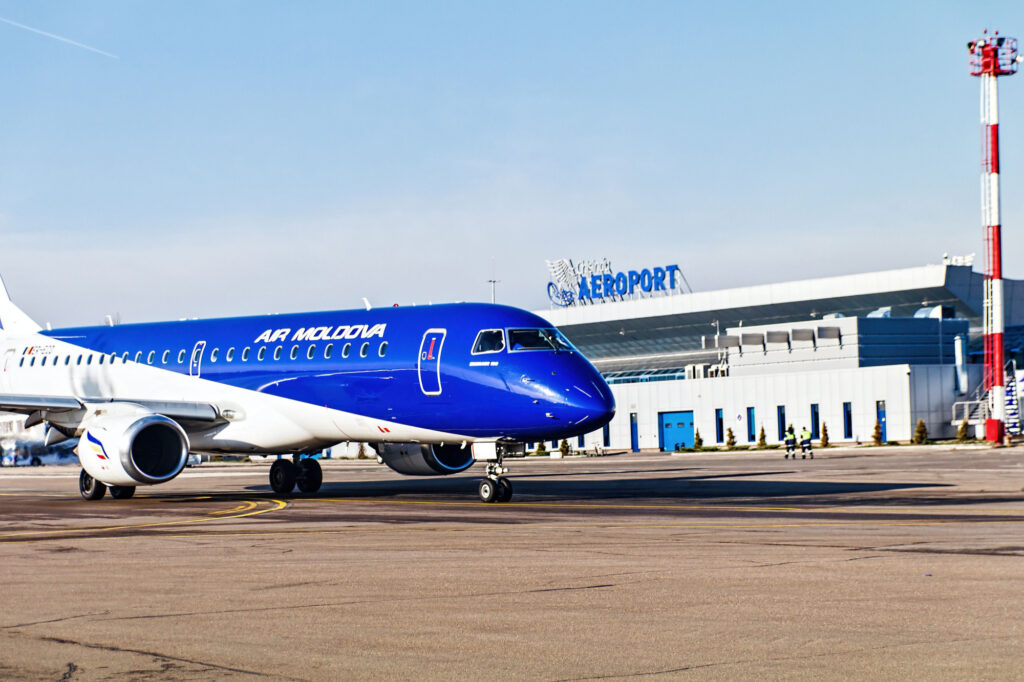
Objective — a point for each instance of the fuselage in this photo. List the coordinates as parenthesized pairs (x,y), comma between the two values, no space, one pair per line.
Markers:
(294,382)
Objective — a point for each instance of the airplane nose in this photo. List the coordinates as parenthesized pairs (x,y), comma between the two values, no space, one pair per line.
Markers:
(592,403)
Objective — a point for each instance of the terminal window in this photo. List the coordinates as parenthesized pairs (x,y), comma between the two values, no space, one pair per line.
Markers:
(719,426)
(815,425)
(848,420)
(780,411)
(751,425)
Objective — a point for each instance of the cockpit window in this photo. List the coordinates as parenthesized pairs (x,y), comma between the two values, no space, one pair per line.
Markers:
(537,339)
(489,341)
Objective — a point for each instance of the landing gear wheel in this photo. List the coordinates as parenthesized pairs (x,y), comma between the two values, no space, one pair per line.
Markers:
(504,490)
(122,492)
(282,476)
(90,488)
(488,490)
(311,476)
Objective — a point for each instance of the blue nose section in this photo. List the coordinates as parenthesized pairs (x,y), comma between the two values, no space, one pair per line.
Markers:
(589,402)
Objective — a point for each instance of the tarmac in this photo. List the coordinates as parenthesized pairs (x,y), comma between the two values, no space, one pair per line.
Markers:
(864,563)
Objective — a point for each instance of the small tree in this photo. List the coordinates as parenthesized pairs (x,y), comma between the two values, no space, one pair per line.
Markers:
(962,432)
(361,452)
(824,435)
(564,448)
(920,433)
(876,435)
(541,450)
(698,442)
(730,439)
(762,441)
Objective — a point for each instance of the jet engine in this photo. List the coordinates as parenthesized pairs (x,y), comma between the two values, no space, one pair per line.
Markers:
(133,449)
(417,459)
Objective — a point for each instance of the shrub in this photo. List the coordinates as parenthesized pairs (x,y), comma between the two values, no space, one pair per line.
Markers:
(962,433)
(876,435)
(564,448)
(361,453)
(730,438)
(698,442)
(762,442)
(920,433)
(824,435)
(541,450)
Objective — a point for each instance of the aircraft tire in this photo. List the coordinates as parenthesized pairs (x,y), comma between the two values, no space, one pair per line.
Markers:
(488,490)
(122,492)
(90,488)
(282,476)
(311,476)
(504,490)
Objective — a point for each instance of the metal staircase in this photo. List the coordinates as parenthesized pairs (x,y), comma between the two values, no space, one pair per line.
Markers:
(1012,399)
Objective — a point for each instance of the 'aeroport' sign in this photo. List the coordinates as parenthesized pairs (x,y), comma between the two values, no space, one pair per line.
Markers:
(596,282)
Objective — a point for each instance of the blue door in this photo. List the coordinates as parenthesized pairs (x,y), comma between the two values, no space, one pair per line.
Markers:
(634,433)
(675,430)
(880,415)
(196,363)
(430,361)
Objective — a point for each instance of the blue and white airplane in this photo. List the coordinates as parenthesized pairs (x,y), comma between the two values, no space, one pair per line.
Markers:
(432,389)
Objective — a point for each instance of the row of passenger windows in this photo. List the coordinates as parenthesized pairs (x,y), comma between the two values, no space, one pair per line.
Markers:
(214,356)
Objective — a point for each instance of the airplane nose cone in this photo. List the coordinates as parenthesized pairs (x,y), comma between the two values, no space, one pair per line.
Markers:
(591,403)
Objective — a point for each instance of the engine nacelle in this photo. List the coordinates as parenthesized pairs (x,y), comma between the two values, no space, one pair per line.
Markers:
(417,459)
(133,449)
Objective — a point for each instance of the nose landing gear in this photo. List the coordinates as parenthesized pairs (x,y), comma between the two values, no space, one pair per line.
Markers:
(495,488)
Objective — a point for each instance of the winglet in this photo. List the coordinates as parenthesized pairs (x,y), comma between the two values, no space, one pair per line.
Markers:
(12,318)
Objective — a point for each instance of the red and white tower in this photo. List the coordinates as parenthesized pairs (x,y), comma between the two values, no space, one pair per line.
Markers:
(992,56)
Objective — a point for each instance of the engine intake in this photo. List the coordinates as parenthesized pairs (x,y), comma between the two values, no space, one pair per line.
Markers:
(418,459)
(133,450)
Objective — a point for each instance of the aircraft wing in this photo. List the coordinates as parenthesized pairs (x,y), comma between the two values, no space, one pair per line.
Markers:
(192,411)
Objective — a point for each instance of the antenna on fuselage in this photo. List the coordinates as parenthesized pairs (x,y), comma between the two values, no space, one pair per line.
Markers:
(366,302)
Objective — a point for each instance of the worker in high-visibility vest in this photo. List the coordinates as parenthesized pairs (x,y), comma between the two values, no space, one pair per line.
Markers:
(805,444)
(789,437)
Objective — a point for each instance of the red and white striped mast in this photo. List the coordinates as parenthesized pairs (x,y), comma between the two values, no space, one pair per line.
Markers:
(992,56)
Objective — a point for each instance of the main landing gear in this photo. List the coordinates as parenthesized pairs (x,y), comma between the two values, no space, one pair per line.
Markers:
(495,488)
(305,474)
(92,489)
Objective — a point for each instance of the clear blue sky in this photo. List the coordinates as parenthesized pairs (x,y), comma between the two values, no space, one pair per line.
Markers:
(247,157)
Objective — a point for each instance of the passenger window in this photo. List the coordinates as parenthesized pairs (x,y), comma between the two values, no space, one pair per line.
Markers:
(382,351)
(149,358)
(79,361)
(295,352)
(124,357)
(32,362)
(88,359)
(21,363)
(364,349)
(230,355)
(138,357)
(489,341)
(277,353)
(113,357)
(165,357)
(328,350)
(245,354)
(42,363)
(213,354)
(262,354)
(345,350)
(311,352)
(100,361)
(181,356)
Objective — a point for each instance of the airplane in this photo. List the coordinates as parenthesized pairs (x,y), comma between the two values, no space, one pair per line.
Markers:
(433,389)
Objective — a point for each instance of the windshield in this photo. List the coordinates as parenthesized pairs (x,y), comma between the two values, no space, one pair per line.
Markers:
(489,341)
(537,339)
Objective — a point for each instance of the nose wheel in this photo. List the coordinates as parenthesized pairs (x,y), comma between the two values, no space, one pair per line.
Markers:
(495,488)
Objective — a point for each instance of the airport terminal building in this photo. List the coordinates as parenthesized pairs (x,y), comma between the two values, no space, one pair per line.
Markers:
(840,353)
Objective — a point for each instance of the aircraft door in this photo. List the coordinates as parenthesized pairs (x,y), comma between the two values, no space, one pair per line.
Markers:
(195,364)
(429,363)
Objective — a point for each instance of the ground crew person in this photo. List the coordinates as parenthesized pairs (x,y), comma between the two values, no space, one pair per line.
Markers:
(790,439)
(805,444)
